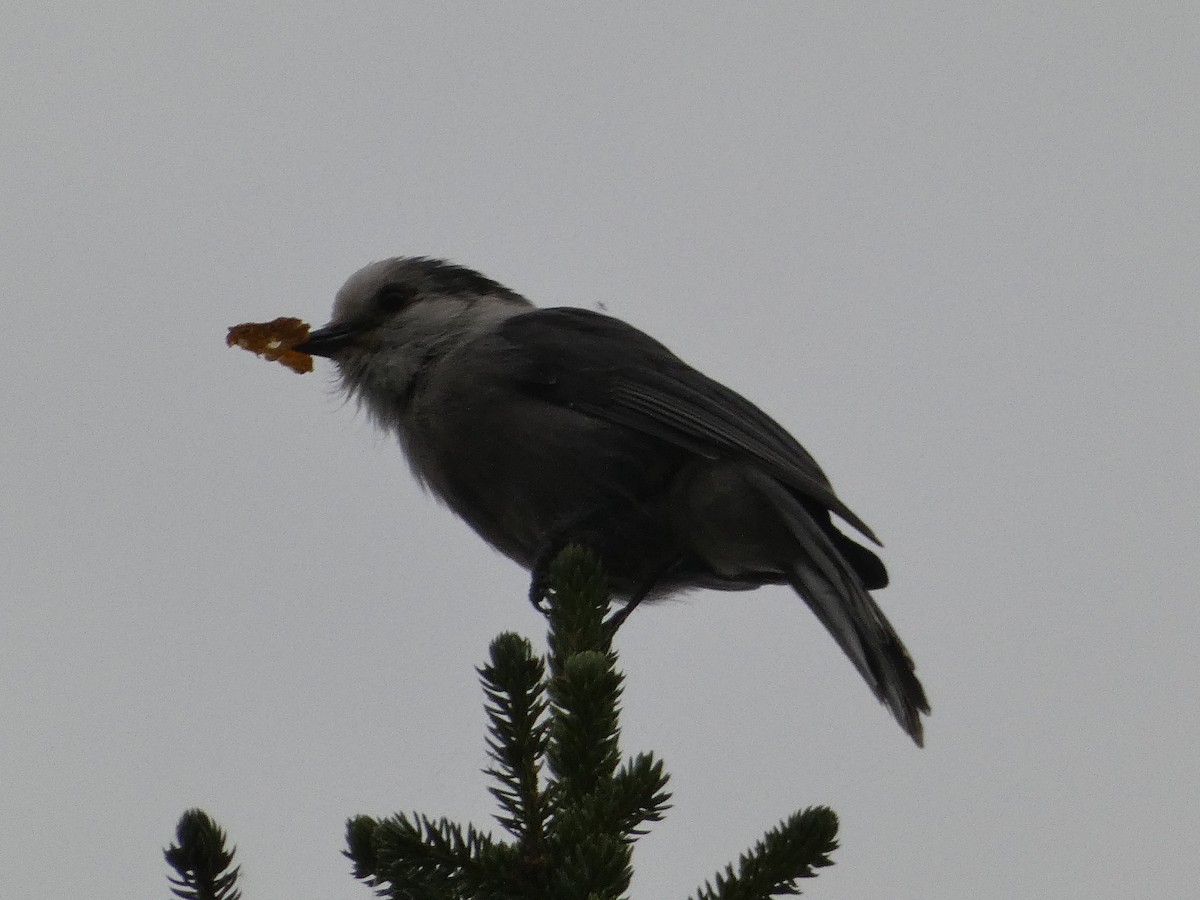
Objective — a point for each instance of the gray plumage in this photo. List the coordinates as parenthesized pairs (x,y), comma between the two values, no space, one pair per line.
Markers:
(542,427)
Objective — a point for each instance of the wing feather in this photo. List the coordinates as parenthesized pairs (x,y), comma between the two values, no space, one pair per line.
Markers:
(603,367)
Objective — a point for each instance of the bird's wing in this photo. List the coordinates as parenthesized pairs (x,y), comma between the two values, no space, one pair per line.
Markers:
(602,367)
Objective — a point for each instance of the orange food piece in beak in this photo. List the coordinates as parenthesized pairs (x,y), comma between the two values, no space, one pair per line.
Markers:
(274,340)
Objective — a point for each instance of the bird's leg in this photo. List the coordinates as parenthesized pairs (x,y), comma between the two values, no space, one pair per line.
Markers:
(645,586)
(539,574)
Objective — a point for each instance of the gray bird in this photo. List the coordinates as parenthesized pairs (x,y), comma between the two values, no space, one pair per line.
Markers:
(545,427)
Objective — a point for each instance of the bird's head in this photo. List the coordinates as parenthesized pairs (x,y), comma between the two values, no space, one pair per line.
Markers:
(393,316)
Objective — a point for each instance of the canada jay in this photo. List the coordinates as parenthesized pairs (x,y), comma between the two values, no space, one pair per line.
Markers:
(544,427)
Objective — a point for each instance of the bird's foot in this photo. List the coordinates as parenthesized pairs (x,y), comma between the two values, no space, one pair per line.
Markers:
(539,576)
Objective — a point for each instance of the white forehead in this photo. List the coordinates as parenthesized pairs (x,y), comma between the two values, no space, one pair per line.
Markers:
(356,293)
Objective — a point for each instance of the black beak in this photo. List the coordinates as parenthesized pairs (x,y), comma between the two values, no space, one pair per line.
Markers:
(328,340)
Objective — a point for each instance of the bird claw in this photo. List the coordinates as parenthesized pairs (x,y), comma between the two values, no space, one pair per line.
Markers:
(538,592)
(539,579)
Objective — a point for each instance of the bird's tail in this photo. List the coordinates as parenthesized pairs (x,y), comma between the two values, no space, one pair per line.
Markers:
(835,594)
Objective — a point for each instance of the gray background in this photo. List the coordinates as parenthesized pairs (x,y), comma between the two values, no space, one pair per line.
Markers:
(953,247)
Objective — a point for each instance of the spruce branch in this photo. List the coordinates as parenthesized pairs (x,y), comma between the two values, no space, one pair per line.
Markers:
(201,860)
(517,735)
(787,853)
(419,857)
(583,748)
(637,795)
(580,599)
(593,839)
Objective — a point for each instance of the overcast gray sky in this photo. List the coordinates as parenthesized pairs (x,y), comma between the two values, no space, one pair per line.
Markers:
(952,247)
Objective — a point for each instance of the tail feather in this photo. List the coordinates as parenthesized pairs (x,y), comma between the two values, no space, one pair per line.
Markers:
(835,594)
(747,527)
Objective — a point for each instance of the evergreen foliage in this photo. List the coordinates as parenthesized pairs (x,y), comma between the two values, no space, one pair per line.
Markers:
(571,808)
(201,861)
(788,852)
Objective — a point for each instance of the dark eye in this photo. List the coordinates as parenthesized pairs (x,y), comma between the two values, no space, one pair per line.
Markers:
(394,297)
